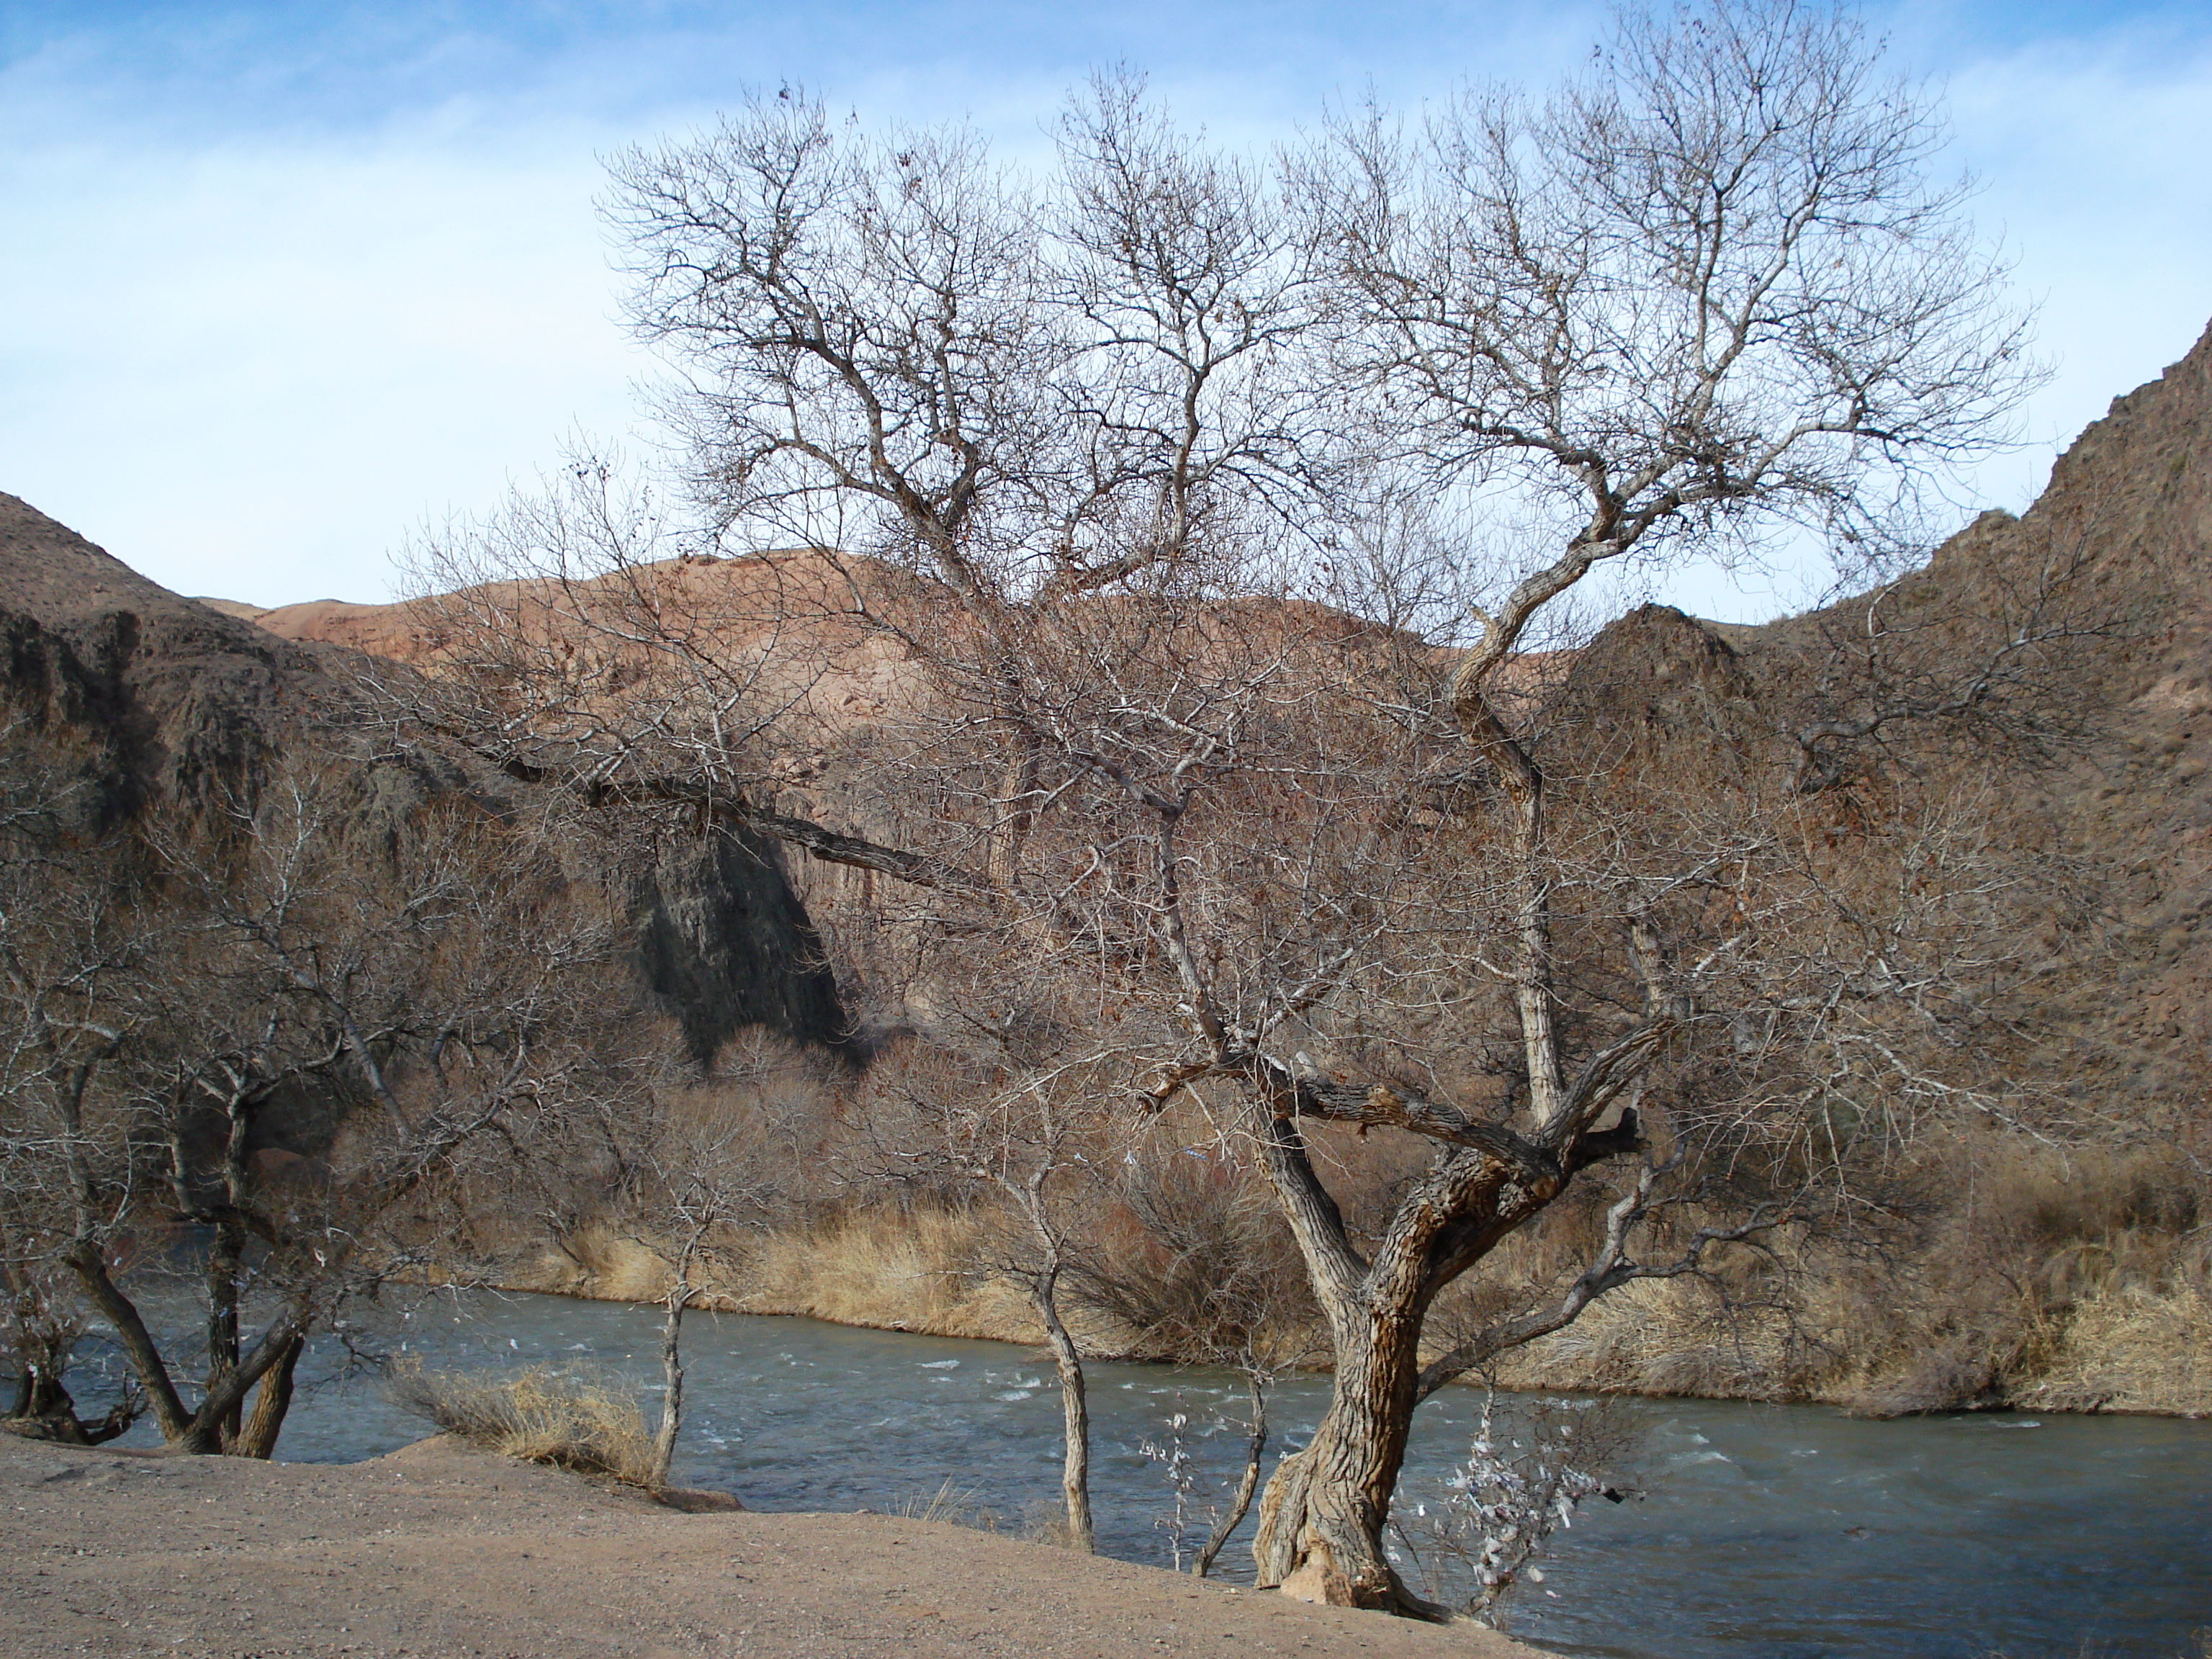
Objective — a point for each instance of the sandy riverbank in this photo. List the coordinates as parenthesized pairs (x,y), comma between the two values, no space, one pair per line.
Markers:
(438,1550)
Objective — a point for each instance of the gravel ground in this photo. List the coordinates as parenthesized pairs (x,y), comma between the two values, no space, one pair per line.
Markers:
(439,1550)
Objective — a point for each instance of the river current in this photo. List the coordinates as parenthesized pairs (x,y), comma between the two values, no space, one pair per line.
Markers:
(1764,1532)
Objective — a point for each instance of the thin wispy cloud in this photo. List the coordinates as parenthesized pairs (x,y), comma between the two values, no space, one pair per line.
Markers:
(285,281)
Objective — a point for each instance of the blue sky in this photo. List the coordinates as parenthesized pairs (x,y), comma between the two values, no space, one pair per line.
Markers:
(282,282)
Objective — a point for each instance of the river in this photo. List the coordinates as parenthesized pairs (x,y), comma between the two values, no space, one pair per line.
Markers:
(1765,1532)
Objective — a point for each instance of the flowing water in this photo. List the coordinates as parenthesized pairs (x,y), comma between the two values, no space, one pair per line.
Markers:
(1765,1532)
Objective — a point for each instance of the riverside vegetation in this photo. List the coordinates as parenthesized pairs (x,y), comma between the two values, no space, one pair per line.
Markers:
(1178,879)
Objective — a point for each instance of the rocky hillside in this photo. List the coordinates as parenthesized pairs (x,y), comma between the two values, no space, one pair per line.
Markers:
(171,700)
(2111,567)
(171,706)
(2052,674)
(2091,750)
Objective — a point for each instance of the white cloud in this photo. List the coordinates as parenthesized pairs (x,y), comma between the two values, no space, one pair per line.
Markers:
(243,367)
(2096,161)
(247,352)
(246,349)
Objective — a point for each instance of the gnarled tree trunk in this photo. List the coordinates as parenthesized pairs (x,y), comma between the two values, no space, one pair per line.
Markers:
(258,1437)
(1322,1516)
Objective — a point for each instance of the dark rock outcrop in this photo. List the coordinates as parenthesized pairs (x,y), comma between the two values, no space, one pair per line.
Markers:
(165,705)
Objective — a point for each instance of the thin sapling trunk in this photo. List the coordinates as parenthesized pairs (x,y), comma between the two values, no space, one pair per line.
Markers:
(1254,1450)
(1074,1403)
(672,1364)
(1075,1412)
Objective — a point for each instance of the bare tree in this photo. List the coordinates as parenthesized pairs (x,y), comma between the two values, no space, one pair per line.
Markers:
(1041,1276)
(699,1201)
(1089,448)
(396,996)
(708,1177)
(1708,286)
(43,1321)
(1002,1111)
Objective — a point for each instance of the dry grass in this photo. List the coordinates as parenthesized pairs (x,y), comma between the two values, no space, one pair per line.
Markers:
(2134,1348)
(1044,1521)
(873,1267)
(602,1263)
(2017,1275)
(2075,1280)
(1667,1337)
(2054,1294)
(2070,1280)
(952,1501)
(541,1415)
(921,1269)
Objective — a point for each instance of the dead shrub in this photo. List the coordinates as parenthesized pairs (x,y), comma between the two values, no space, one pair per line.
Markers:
(1950,1376)
(1195,1259)
(1482,1531)
(540,1414)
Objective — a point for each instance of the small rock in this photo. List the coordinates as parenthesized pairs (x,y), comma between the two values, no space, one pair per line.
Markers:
(1320,1583)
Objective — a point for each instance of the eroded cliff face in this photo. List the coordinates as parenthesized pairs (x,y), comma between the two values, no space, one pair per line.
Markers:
(166,699)
(2092,760)
(2134,495)
(725,944)
(165,706)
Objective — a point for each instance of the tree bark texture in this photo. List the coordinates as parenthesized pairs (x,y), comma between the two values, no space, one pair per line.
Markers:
(258,1438)
(672,1374)
(1075,1411)
(1321,1517)
(225,1268)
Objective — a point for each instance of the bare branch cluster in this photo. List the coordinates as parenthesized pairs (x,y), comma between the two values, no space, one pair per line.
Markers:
(276,1038)
(1128,514)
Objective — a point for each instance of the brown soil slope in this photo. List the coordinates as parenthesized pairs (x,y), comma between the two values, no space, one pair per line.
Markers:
(440,1551)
